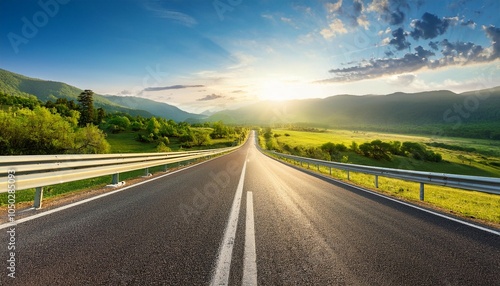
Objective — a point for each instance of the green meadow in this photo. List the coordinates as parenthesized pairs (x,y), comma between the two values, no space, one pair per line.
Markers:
(468,204)
(479,163)
(125,142)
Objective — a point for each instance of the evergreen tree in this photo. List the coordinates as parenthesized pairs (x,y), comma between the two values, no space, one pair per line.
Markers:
(101,113)
(86,102)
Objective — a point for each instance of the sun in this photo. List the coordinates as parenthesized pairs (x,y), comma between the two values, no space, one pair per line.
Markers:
(279,90)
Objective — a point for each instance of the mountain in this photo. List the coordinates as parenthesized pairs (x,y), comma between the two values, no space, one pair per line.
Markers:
(16,84)
(397,108)
(159,109)
(412,111)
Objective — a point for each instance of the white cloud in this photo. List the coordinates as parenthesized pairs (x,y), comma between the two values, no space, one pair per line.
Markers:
(333,7)
(402,79)
(175,16)
(267,16)
(363,22)
(336,27)
(289,21)
(379,6)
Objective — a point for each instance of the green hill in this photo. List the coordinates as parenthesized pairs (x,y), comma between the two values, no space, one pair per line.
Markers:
(16,84)
(12,83)
(156,108)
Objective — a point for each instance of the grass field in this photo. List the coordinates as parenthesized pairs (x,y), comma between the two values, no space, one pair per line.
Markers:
(477,165)
(125,142)
(469,204)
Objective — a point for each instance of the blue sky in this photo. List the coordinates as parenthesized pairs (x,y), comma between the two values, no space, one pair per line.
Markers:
(208,55)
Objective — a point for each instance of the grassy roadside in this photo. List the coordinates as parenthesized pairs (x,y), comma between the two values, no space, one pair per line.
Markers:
(468,204)
(24,196)
(121,143)
(456,162)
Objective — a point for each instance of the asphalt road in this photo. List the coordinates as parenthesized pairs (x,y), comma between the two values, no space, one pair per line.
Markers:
(245,217)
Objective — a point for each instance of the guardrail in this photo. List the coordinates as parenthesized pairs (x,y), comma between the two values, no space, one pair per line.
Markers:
(45,170)
(475,183)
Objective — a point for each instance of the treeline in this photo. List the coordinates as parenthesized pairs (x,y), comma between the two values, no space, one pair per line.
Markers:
(31,127)
(161,131)
(375,149)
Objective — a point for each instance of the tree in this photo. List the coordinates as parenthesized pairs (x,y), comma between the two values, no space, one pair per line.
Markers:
(34,132)
(136,125)
(413,149)
(334,150)
(153,126)
(201,139)
(86,107)
(395,148)
(376,149)
(355,147)
(419,152)
(91,140)
(118,123)
(268,133)
(220,130)
(101,113)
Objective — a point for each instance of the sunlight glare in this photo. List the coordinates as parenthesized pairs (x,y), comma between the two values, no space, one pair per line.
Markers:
(281,90)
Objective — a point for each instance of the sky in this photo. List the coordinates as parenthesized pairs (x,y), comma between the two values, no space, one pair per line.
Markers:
(208,55)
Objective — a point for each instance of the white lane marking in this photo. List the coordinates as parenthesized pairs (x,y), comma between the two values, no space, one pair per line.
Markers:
(401,202)
(223,265)
(249,256)
(19,221)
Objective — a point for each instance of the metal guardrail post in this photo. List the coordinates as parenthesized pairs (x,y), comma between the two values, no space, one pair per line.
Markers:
(376,181)
(165,168)
(318,168)
(421,191)
(115,179)
(348,176)
(330,171)
(146,172)
(38,197)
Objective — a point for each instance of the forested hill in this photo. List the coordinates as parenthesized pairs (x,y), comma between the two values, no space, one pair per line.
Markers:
(16,84)
(471,114)
(155,107)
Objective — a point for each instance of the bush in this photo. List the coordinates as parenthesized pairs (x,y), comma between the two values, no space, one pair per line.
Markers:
(333,150)
(161,147)
(272,144)
(419,152)
(376,149)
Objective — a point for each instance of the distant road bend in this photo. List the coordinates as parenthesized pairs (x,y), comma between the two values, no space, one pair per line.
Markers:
(246,219)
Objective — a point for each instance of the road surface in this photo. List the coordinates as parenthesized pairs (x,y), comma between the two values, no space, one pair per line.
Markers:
(246,219)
